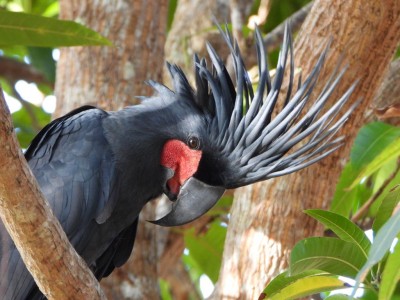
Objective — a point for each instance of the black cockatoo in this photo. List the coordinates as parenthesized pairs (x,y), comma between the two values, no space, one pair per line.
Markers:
(98,169)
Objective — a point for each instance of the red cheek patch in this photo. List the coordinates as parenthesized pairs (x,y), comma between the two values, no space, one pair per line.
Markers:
(184,161)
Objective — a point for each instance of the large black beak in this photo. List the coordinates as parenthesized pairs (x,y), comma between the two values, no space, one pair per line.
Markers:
(194,200)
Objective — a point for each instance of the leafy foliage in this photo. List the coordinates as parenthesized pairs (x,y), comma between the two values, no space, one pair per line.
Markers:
(300,285)
(372,160)
(315,262)
(32,30)
(205,250)
(31,23)
(373,266)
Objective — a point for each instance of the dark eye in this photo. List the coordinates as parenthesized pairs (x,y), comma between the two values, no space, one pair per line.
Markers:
(193,143)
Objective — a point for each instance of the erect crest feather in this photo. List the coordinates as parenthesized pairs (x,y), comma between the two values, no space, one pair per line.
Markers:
(245,126)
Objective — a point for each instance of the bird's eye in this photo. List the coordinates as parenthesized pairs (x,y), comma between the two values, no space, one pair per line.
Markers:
(193,143)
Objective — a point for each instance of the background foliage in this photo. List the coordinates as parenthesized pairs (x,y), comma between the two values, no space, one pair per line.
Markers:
(364,207)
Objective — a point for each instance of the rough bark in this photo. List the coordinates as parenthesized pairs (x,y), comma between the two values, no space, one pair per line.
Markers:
(111,77)
(191,29)
(58,270)
(266,218)
(386,104)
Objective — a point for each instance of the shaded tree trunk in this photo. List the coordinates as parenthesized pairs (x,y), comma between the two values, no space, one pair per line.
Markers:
(110,77)
(266,218)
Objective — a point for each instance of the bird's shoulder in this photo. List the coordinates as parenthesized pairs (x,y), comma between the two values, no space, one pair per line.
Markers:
(82,125)
(74,166)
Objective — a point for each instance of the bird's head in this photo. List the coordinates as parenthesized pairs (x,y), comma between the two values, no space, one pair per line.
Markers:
(231,136)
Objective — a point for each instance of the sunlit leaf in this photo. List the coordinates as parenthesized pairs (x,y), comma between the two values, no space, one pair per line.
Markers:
(32,30)
(343,228)
(206,249)
(390,152)
(390,275)
(327,254)
(52,10)
(386,208)
(344,198)
(283,282)
(370,141)
(46,8)
(165,290)
(301,285)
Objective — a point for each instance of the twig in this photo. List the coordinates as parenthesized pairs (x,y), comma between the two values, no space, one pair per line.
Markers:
(14,70)
(364,208)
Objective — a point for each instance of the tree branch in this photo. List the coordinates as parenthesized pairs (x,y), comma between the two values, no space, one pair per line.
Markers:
(57,269)
(14,70)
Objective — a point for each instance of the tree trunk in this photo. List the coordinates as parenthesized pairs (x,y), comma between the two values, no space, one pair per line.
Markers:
(110,77)
(267,218)
(191,29)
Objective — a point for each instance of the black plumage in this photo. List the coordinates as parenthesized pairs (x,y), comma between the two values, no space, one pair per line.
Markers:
(98,169)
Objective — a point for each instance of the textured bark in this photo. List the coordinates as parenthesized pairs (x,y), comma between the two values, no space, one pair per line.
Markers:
(110,77)
(191,29)
(58,270)
(266,218)
(386,104)
(240,9)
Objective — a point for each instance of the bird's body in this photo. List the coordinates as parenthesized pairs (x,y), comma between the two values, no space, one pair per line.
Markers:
(98,169)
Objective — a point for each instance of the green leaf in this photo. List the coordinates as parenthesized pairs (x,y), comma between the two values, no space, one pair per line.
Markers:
(346,201)
(222,207)
(344,198)
(343,228)
(205,251)
(47,8)
(327,254)
(370,141)
(31,30)
(382,243)
(52,10)
(42,60)
(390,152)
(283,283)
(164,290)
(386,208)
(390,275)
(172,4)
(378,179)
(301,285)
(22,121)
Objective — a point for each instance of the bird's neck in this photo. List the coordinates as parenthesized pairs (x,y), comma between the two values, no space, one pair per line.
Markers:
(136,147)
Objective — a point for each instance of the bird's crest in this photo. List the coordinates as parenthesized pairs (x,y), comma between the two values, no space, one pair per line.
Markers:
(247,127)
